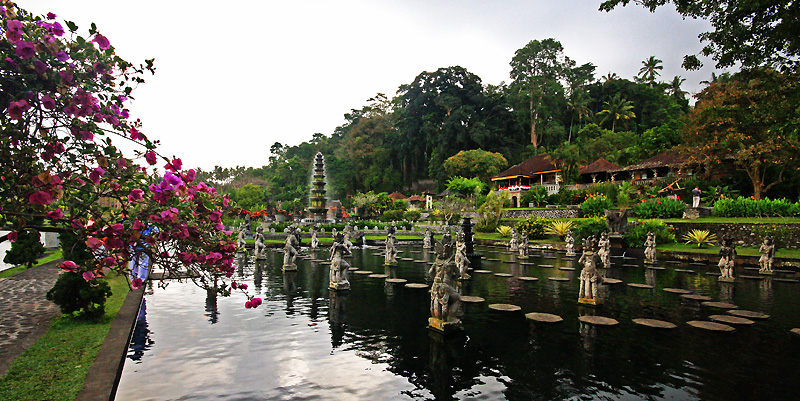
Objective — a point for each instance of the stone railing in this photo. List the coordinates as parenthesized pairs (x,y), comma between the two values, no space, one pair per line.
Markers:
(569,212)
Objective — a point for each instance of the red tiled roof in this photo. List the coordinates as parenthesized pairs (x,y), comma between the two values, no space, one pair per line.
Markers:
(599,166)
(664,159)
(415,198)
(535,165)
(396,195)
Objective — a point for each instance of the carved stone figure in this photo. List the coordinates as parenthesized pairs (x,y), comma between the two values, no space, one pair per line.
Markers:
(570,243)
(461,259)
(767,251)
(617,221)
(390,257)
(348,232)
(259,247)
(314,239)
(445,291)
(604,250)
(523,246)
(590,276)
(727,259)
(427,240)
(513,244)
(339,267)
(240,242)
(290,250)
(650,248)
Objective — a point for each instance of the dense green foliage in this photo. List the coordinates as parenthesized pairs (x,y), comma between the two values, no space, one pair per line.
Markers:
(588,227)
(659,208)
(637,232)
(595,205)
(536,227)
(25,250)
(749,207)
(78,297)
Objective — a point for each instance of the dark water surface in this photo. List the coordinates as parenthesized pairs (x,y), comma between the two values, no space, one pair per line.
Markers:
(371,343)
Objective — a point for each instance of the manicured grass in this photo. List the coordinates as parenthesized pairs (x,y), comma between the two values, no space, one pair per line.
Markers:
(49,256)
(741,250)
(756,220)
(55,367)
(397,236)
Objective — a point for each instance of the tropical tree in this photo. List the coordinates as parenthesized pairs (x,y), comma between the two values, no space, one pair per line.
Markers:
(578,106)
(617,108)
(475,163)
(649,70)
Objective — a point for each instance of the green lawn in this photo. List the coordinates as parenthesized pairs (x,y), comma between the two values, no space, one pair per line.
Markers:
(741,250)
(55,367)
(48,257)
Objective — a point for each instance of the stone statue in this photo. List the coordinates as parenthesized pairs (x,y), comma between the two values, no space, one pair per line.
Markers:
(240,242)
(390,257)
(339,267)
(727,259)
(604,250)
(462,262)
(570,243)
(290,250)
(513,244)
(314,239)
(617,221)
(767,251)
(650,248)
(427,240)
(590,276)
(445,291)
(348,233)
(523,246)
(259,247)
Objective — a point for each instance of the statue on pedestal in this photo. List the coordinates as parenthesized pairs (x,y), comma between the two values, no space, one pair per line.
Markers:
(590,276)
(427,240)
(290,249)
(570,243)
(445,291)
(339,267)
(348,233)
(650,248)
(767,252)
(314,239)
(513,244)
(523,246)
(617,221)
(604,250)
(461,259)
(240,242)
(390,257)
(727,259)
(259,247)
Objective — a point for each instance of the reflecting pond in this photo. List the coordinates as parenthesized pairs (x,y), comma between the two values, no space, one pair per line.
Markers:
(371,342)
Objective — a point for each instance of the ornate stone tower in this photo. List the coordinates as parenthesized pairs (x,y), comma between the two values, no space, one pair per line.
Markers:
(318,200)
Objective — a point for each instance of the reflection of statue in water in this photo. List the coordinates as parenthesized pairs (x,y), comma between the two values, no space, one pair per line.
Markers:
(513,244)
(767,251)
(336,316)
(338,273)
(523,246)
(391,246)
(140,338)
(211,306)
(290,250)
(259,247)
(445,291)
(604,250)
(617,221)
(314,239)
(727,259)
(427,240)
(570,243)
(590,276)
(461,259)
(650,248)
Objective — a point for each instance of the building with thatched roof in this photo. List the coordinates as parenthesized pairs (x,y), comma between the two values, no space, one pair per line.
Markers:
(598,171)
(538,170)
(651,169)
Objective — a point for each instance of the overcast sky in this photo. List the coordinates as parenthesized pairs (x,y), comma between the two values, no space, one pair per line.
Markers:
(233,77)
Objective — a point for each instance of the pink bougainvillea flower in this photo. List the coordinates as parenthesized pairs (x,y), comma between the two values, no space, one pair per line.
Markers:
(25,49)
(15,109)
(101,41)
(40,66)
(248,304)
(55,214)
(62,56)
(135,134)
(12,236)
(122,163)
(51,16)
(109,261)
(174,165)
(48,102)
(136,283)
(69,266)
(41,198)
(138,225)
(243,286)
(234,285)
(57,29)
(93,243)
(76,224)
(66,78)
(96,174)
(14,31)
(255,302)
(135,195)
(150,157)
(190,175)
(88,276)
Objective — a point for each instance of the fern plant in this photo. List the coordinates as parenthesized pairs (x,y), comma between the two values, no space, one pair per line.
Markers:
(700,238)
(559,228)
(504,231)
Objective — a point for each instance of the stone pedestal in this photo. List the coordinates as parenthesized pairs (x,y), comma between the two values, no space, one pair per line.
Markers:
(290,268)
(590,301)
(617,245)
(692,213)
(443,327)
(726,279)
(338,286)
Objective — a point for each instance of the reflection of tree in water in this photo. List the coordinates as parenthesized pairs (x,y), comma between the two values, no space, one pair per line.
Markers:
(140,339)
(211,306)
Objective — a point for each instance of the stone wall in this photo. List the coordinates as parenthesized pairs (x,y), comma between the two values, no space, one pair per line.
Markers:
(741,232)
(549,213)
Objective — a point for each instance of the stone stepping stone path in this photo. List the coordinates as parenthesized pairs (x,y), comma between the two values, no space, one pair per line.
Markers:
(684,271)
(598,320)
(471,299)
(698,264)
(673,262)
(505,307)
(656,268)
(658,324)
(493,260)
(752,268)
(414,251)
(611,281)
(785,280)
(546,266)
(731,320)
(396,280)
(695,297)
(363,272)
(711,326)
(569,269)
(558,278)
(720,305)
(483,271)
(528,264)
(408,259)
(378,275)
(509,261)
(677,290)
(751,277)
(352,269)
(526,278)
(713,274)
(549,257)
(503,275)
(628,258)
(417,285)
(543,317)
(748,314)
(420,261)
(378,254)
(795,331)
(784,271)
(630,265)
(637,285)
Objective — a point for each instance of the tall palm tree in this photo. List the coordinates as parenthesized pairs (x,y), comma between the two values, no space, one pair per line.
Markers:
(649,71)
(675,87)
(578,106)
(616,108)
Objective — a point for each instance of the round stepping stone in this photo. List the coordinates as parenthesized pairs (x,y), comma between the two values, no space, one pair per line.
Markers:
(503,275)
(784,271)
(558,278)
(526,278)
(543,317)
(611,281)
(505,307)
(326,263)
(420,261)
(684,271)
(795,331)
(721,305)
(752,268)
(655,268)
(628,258)
(363,272)
(712,326)
(695,297)
(378,275)
(483,271)
(677,290)
(408,259)
(396,280)
(751,277)
(417,285)
(748,314)
(471,299)
(713,274)
(546,266)
(548,257)
(731,319)
(630,265)
(598,320)
(785,280)
(658,324)
(569,269)
(509,261)
(637,285)
(493,260)
(673,262)
(353,269)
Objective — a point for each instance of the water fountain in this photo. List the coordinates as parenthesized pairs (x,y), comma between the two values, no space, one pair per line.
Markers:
(318,200)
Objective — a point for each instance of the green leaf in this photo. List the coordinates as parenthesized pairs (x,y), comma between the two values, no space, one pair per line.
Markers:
(71,25)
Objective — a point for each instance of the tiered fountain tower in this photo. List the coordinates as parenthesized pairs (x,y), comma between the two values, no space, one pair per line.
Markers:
(318,200)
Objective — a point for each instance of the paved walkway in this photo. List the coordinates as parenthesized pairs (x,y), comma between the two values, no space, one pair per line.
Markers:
(25,314)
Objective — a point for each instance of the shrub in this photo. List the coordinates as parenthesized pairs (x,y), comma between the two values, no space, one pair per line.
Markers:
(536,195)
(588,227)
(559,228)
(779,233)
(638,230)
(534,226)
(412,215)
(595,205)
(392,215)
(489,213)
(25,250)
(659,208)
(700,238)
(749,207)
(78,297)
(504,231)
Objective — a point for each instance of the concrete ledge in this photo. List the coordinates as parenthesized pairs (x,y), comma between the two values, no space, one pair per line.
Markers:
(103,377)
